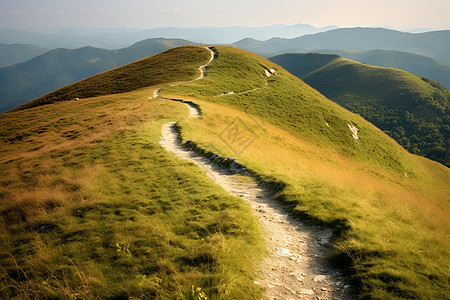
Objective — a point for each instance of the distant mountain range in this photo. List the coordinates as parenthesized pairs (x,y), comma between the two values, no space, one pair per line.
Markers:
(120,38)
(412,110)
(435,44)
(23,82)
(11,54)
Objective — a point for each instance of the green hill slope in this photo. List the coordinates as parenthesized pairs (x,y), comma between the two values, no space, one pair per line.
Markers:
(414,63)
(93,207)
(289,104)
(94,168)
(414,111)
(340,181)
(58,68)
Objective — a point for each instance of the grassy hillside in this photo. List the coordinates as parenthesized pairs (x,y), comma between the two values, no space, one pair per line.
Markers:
(413,110)
(391,230)
(290,104)
(93,207)
(60,67)
(154,70)
(303,140)
(433,44)
(388,208)
(414,63)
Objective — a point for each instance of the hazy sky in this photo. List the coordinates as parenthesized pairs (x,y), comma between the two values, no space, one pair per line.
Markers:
(399,14)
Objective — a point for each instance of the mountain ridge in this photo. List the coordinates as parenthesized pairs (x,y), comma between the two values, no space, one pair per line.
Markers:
(14,79)
(122,79)
(11,54)
(357,39)
(120,38)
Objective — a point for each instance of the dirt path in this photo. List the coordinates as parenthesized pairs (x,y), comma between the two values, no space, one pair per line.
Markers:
(203,68)
(295,267)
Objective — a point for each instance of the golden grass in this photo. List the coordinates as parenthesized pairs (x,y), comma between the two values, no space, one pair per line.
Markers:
(86,189)
(398,226)
(163,226)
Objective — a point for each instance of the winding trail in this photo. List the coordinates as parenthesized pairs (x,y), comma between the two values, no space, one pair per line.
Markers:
(268,73)
(295,267)
(203,68)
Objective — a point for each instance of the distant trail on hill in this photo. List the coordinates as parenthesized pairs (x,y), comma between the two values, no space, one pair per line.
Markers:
(203,68)
(295,266)
(269,73)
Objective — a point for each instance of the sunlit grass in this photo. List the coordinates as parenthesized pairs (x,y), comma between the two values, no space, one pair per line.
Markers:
(289,103)
(388,208)
(393,229)
(92,207)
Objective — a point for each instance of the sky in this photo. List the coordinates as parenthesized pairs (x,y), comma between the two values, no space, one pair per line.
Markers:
(145,14)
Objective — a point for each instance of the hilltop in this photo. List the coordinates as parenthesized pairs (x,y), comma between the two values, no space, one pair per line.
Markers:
(57,68)
(413,110)
(413,63)
(89,174)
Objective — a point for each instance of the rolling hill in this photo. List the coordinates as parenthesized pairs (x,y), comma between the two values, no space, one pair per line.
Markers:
(413,63)
(54,69)
(89,174)
(11,54)
(433,44)
(413,110)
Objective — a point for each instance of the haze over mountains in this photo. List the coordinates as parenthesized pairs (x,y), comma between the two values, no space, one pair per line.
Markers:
(433,44)
(116,38)
(11,54)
